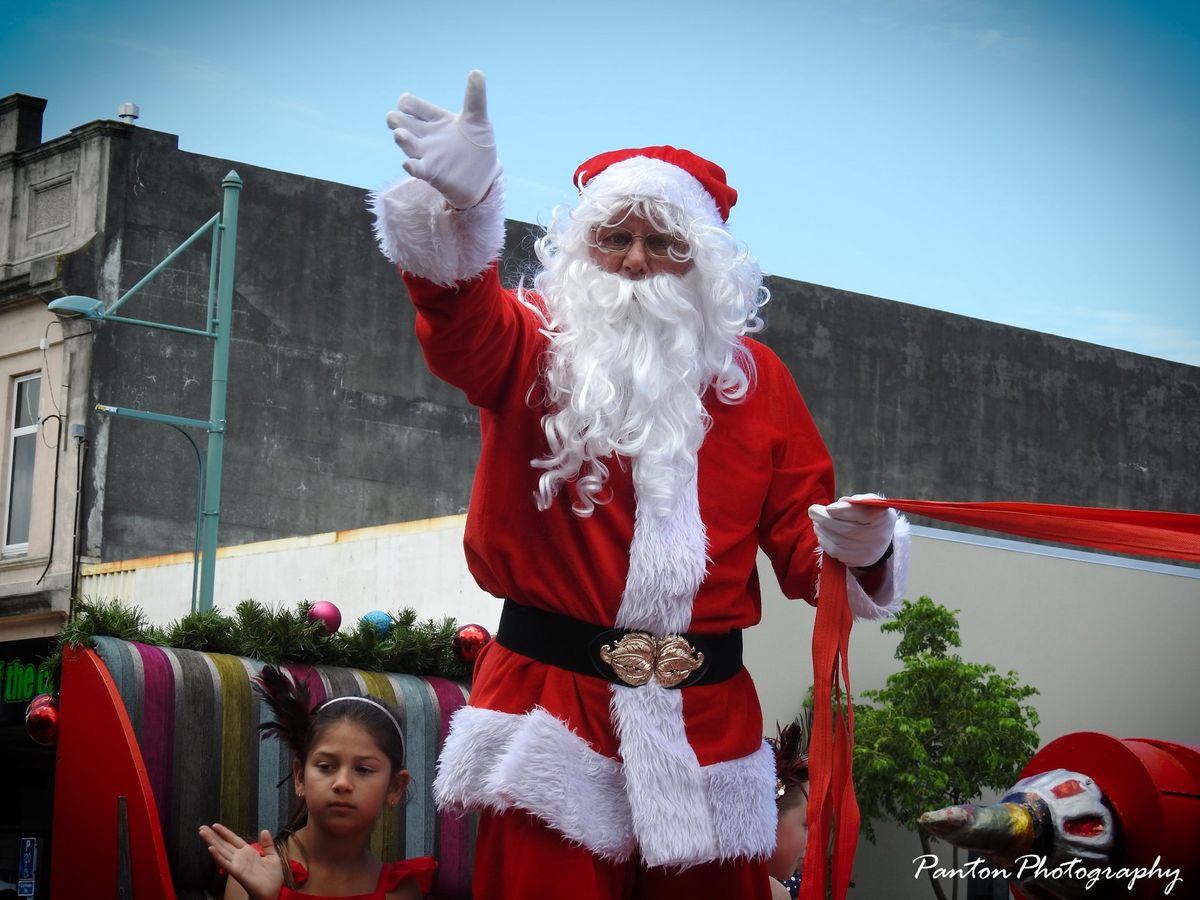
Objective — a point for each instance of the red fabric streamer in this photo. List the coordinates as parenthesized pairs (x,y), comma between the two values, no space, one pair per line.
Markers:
(833,813)
(831,801)
(1139,531)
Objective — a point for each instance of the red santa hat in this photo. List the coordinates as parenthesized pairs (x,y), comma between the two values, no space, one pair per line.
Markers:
(678,177)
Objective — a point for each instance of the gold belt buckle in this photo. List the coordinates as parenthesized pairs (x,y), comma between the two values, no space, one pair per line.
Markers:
(638,657)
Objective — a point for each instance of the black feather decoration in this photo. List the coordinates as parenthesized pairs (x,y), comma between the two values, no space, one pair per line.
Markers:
(291,702)
(791,749)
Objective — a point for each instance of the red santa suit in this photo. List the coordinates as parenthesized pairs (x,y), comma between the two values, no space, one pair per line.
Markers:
(681,776)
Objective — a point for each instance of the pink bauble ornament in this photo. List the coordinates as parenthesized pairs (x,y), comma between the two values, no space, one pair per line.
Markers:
(41,721)
(327,614)
(469,642)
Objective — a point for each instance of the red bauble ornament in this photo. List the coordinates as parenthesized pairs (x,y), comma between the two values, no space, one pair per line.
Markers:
(327,614)
(469,642)
(41,720)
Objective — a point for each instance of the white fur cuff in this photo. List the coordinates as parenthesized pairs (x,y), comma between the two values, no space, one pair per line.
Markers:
(418,232)
(886,601)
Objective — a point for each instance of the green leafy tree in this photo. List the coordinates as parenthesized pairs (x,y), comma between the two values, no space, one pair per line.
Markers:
(941,731)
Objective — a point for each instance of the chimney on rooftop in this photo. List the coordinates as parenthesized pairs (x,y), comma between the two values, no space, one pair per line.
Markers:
(20,122)
(128,112)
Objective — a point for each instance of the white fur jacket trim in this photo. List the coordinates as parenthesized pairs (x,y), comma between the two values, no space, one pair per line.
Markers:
(496,760)
(667,562)
(668,559)
(659,798)
(418,232)
(534,762)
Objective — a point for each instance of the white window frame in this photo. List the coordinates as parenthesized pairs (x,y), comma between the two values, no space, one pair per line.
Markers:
(11,435)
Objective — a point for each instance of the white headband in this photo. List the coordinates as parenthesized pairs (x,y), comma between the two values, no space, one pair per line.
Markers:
(375,704)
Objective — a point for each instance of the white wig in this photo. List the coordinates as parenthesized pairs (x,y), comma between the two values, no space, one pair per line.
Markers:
(630,360)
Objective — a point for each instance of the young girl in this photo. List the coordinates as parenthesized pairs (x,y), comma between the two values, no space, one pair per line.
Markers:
(791,802)
(348,764)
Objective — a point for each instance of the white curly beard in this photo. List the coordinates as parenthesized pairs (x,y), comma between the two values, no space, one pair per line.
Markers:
(628,366)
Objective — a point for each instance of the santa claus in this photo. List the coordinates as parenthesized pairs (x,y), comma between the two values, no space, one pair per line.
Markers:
(638,449)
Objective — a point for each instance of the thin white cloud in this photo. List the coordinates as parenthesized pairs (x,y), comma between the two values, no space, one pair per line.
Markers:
(975,24)
(209,75)
(1144,333)
(172,59)
(954,34)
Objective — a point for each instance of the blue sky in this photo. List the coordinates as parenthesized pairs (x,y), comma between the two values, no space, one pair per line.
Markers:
(1030,162)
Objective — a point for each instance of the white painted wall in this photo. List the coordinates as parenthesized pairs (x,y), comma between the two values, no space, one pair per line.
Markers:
(388,567)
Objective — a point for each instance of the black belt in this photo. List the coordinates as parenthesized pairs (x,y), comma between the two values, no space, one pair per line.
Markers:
(620,655)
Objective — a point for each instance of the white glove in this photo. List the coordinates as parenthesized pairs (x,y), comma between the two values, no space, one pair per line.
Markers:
(454,153)
(857,535)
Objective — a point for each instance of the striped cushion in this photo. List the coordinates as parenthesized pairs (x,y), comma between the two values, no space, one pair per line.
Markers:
(196,718)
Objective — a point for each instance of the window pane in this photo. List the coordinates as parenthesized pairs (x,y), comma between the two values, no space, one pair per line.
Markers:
(27,403)
(20,499)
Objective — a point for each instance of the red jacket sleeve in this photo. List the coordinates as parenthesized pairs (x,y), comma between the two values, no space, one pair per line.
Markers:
(802,474)
(475,334)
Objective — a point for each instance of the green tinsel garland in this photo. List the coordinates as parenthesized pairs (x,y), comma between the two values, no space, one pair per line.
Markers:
(274,635)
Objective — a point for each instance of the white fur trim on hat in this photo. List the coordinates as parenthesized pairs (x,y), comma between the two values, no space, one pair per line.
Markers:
(418,232)
(643,177)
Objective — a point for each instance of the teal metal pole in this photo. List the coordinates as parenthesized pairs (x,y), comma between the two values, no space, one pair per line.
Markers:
(199,515)
(128,413)
(153,273)
(221,327)
(174,422)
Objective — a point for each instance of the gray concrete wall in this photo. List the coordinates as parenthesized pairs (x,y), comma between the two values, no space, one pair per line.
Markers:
(926,404)
(334,423)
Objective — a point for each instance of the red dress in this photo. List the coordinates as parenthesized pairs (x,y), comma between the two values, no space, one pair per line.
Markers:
(391,876)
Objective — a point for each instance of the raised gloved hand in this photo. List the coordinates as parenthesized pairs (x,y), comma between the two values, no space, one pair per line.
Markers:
(857,535)
(454,153)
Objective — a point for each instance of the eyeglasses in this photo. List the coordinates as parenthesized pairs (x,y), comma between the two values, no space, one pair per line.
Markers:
(662,246)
